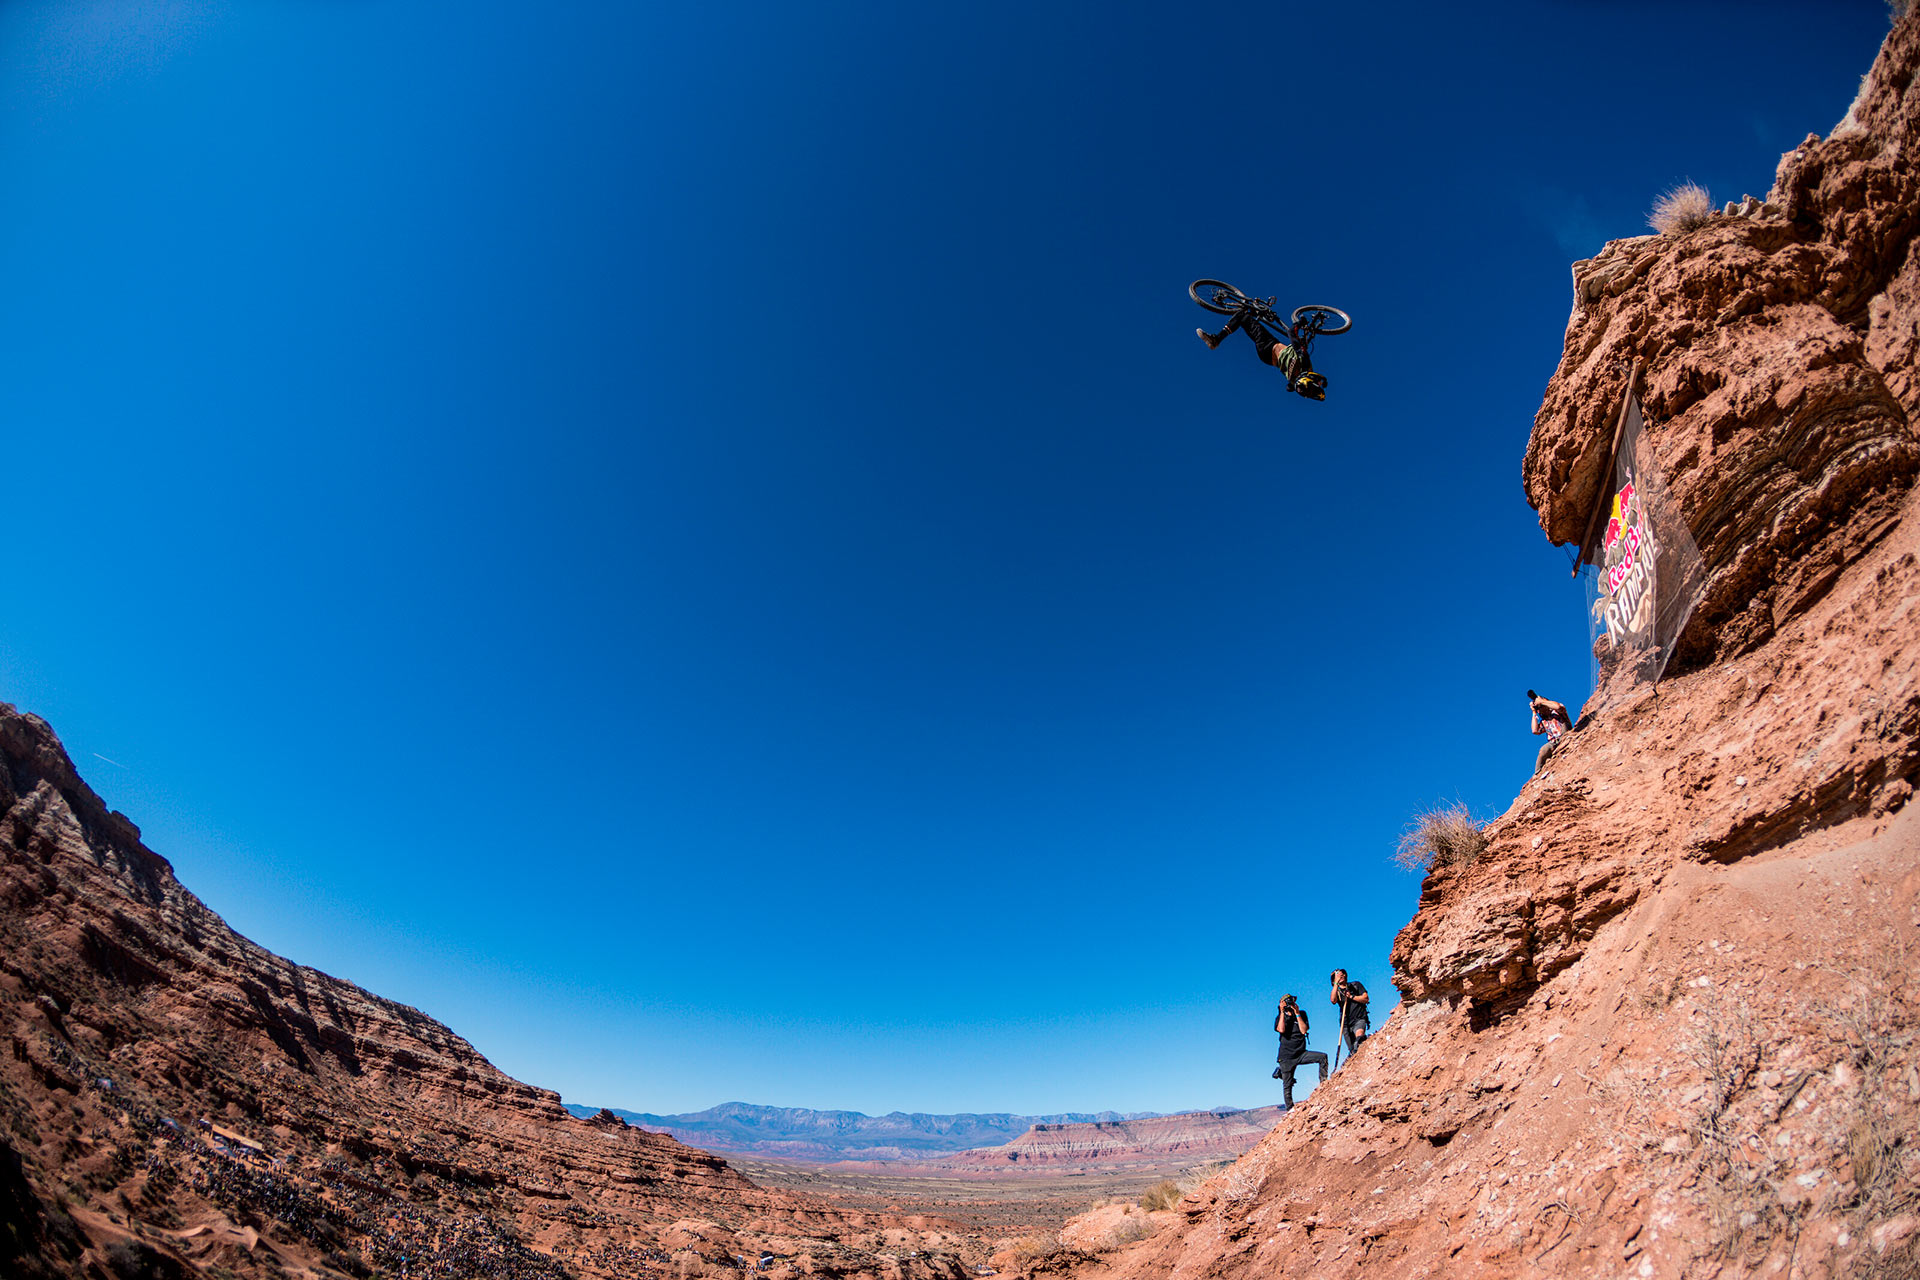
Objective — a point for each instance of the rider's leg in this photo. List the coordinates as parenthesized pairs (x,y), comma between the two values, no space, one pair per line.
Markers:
(1213,340)
(1263,341)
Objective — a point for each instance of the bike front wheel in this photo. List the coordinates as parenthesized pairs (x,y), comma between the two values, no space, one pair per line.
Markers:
(1314,318)
(1217,295)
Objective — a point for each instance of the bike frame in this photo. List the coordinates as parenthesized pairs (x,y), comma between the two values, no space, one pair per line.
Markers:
(1300,336)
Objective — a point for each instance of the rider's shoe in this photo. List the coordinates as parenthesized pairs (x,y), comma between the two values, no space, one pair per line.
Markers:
(1213,343)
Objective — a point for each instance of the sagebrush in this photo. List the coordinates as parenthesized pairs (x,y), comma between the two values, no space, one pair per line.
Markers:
(1445,835)
(1161,1195)
(1682,209)
(1028,1249)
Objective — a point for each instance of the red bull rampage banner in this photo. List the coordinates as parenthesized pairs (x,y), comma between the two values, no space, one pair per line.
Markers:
(1645,571)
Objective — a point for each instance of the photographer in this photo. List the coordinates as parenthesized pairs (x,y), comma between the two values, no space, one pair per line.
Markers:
(1550,718)
(1291,1023)
(1355,1021)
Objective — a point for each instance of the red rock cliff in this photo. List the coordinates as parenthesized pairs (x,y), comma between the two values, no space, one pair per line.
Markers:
(174,1098)
(1665,1024)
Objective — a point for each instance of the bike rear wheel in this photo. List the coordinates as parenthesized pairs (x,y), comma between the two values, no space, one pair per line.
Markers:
(1217,295)
(1318,319)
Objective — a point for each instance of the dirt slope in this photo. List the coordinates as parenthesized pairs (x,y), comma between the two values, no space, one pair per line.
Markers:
(1664,1026)
(174,1099)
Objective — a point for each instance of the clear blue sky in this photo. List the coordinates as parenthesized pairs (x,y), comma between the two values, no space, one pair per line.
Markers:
(696,543)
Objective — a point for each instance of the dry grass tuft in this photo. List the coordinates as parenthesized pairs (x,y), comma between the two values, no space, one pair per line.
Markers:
(1029,1249)
(1684,208)
(1874,1024)
(1117,1234)
(1735,1152)
(1241,1183)
(1161,1195)
(1444,835)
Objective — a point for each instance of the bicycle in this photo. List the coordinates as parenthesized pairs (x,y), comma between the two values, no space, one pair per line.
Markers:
(1308,322)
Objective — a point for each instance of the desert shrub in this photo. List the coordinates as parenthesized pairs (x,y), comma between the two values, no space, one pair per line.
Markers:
(1033,1248)
(1684,208)
(1241,1183)
(1444,835)
(1873,1023)
(1120,1234)
(1161,1195)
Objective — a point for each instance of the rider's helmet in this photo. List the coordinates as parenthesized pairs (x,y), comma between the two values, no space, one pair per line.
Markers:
(1312,385)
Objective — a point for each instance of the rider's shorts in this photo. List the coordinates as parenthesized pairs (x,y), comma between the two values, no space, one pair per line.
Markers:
(1288,360)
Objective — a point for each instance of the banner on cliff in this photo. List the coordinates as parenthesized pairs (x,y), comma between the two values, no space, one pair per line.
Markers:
(1643,574)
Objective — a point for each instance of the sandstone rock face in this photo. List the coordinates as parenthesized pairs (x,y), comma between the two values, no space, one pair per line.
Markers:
(1777,355)
(1665,1025)
(174,1098)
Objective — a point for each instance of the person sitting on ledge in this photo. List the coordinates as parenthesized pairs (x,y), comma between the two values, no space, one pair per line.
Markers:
(1550,718)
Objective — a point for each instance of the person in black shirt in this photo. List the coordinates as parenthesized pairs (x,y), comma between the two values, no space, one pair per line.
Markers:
(1355,1023)
(1291,1022)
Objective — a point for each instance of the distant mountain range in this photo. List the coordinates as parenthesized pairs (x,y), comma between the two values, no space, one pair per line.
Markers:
(742,1128)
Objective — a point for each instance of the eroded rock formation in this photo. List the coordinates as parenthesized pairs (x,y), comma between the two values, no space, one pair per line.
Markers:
(1778,349)
(1665,1024)
(1189,1138)
(174,1098)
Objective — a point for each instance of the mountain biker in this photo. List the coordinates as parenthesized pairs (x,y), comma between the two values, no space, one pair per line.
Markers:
(1290,360)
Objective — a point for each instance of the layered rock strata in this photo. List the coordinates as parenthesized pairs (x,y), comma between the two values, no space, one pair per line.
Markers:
(1665,1024)
(1777,345)
(174,1099)
(1190,1138)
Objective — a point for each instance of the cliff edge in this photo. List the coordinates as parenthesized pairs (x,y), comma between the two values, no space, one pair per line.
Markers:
(1664,1024)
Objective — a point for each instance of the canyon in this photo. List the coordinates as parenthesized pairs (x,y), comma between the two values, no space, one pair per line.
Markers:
(176,1099)
(802,1133)
(1662,1025)
(924,1145)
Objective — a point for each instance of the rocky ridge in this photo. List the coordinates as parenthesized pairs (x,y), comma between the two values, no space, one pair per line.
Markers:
(1191,1138)
(802,1133)
(1157,1145)
(1664,1025)
(175,1099)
